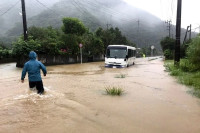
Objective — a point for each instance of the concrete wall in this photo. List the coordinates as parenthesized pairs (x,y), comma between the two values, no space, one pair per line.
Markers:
(61,59)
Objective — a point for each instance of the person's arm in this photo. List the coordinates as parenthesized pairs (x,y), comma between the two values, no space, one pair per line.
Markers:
(23,73)
(44,70)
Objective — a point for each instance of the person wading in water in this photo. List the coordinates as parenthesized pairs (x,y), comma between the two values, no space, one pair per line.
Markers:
(33,67)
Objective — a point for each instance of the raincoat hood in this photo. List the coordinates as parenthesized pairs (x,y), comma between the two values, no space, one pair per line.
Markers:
(32,55)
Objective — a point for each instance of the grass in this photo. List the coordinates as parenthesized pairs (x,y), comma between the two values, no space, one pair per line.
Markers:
(120,76)
(185,76)
(114,91)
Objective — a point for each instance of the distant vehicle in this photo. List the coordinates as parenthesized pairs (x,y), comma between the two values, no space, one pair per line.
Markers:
(120,56)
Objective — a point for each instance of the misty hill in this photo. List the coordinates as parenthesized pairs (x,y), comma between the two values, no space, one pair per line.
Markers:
(137,25)
(10,11)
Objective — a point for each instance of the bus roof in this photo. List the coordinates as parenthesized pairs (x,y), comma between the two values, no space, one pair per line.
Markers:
(122,46)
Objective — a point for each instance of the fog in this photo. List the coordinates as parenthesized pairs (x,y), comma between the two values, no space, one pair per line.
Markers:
(137,25)
(10,11)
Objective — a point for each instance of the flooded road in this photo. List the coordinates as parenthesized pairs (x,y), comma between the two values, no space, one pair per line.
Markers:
(75,101)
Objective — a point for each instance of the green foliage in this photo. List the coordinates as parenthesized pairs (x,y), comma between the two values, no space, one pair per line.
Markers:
(5,53)
(187,66)
(93,45)
(22,48)
(48,38)
(167,43)
(73,26)
(73,29)
(54,42)
(174,71)
(193,52)
(120,76)
(183,48)
(185,75)
(41,40)
(71,43)
(114,91)
(112,36)
(118,37)
(168,54)
(106,36)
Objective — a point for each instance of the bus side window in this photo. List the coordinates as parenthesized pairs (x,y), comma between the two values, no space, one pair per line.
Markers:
(129,52)
(134,53)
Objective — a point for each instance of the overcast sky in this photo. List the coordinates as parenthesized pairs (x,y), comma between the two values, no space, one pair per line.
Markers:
(166,10)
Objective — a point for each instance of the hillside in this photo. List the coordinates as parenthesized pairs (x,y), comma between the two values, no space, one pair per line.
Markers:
(137,25)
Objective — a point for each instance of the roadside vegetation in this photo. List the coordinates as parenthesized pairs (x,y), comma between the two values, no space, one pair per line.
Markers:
(188,72)
(114,91)
(120,76)
(5,52)
(66,40)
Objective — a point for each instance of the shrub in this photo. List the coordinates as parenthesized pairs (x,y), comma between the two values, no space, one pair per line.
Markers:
(114,90)
(168,54)
(187,66)
(185,75)
(193,52)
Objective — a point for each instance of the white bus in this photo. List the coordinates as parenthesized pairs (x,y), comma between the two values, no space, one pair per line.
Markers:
(120,56)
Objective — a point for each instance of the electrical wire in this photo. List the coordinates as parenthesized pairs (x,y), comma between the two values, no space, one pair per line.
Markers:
(109,11)
(10,8)
(47,7)
(83,11)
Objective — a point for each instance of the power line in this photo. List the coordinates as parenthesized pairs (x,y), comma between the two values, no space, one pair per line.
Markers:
(10,8)
(83,11)
(109,11)
(46,7)
(172,9)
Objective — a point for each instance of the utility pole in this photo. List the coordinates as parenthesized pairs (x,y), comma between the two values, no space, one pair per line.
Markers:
(24,20)
(178,34)
(169,27)
(138,32)
(190,35)
(185,35)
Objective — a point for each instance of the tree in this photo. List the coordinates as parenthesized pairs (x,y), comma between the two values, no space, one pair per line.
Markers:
(112,36)
(4,53)
(193,52)
(73,29)
(93,45)
(40,40)
(71,43)
(22,48)
(48,38)
(73,26)
(167,45)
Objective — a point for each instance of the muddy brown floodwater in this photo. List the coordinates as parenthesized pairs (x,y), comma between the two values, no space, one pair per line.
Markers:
(75,101)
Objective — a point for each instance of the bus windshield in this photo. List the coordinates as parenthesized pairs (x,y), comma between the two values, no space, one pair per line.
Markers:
(116,52)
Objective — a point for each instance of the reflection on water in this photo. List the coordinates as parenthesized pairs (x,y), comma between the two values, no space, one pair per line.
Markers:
(75,101)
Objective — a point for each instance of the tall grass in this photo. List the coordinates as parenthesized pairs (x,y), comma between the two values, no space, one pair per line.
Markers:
(113,90)
(186,74)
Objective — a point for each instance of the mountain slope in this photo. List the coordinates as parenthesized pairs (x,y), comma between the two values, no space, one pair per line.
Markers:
(10,11)
(137,25)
